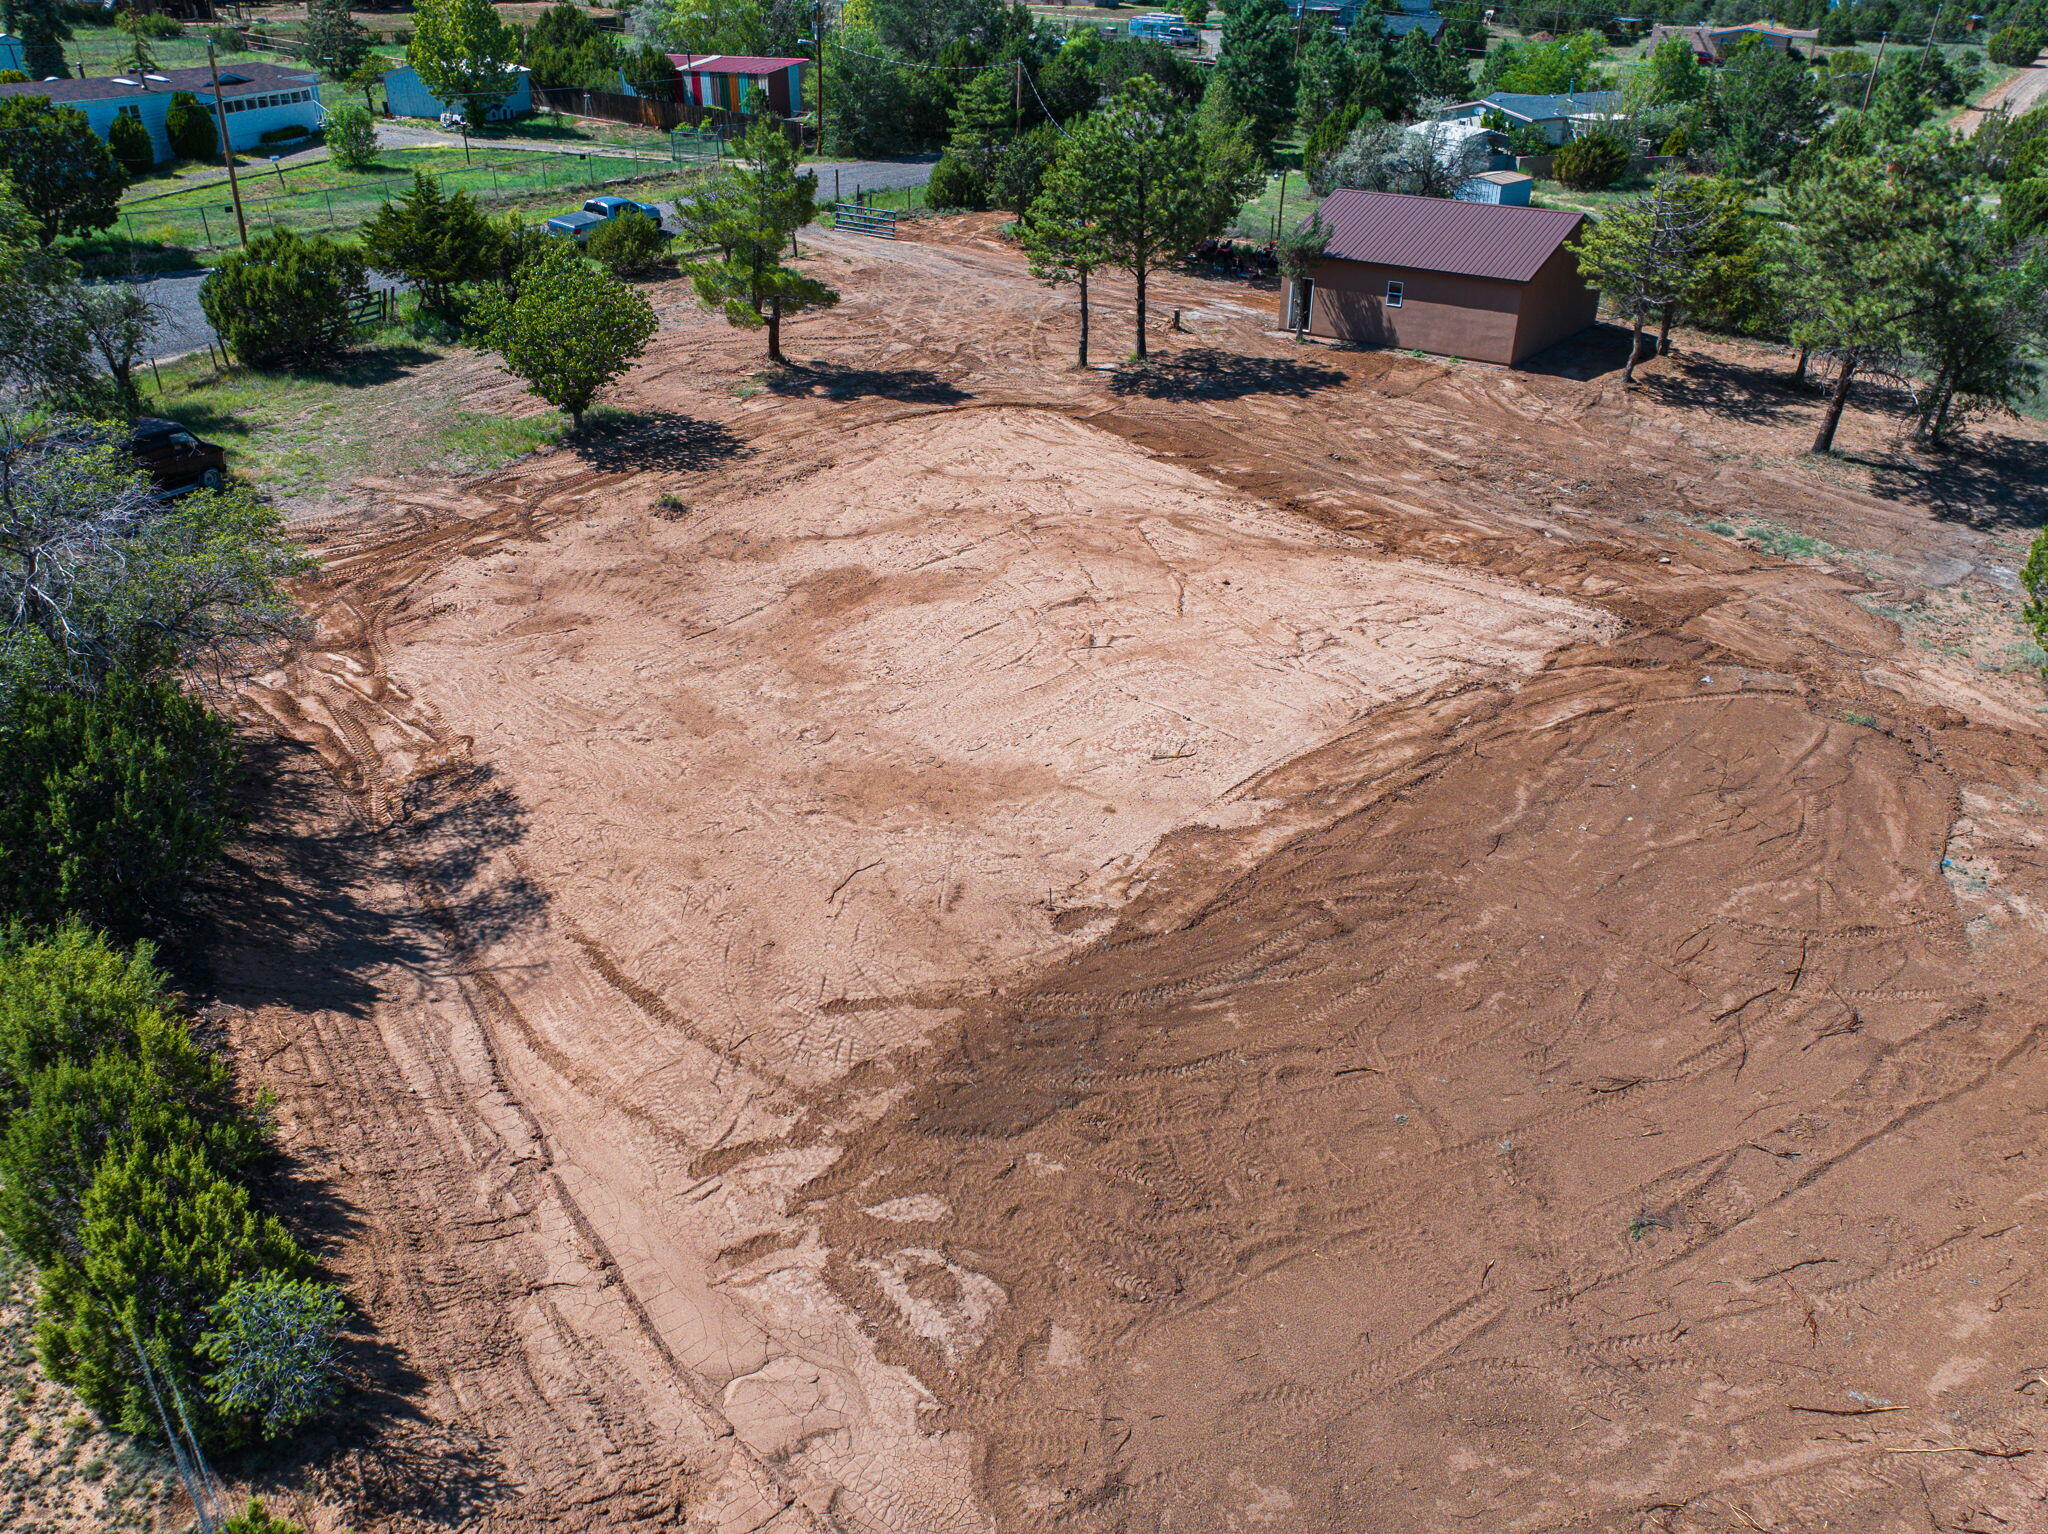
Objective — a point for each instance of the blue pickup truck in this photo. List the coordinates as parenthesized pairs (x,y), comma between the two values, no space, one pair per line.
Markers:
(577,226)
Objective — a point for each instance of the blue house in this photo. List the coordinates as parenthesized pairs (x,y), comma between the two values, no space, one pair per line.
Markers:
(255,99)
(1559,117)
(407,96)
(11,53)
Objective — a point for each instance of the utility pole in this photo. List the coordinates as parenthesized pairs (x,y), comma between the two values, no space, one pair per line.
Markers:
(1932,27)
(1016,96)
(821,76)
(1870,84)
(227,151)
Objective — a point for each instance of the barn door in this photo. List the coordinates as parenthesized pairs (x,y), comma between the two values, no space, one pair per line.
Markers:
(1304,303)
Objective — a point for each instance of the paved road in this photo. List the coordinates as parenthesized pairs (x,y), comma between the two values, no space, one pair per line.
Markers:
(184,328)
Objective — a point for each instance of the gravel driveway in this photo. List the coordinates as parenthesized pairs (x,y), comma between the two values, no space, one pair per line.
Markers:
(184,328)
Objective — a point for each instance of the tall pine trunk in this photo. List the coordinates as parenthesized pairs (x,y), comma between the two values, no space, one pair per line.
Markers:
(1139,273)
(1799,367)
(775,333)
(1635,347)
(1824,441)
(1084,319)
(1664,332)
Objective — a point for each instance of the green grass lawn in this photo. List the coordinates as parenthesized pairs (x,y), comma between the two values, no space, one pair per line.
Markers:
(1255,220)
(296,435)
(172,228)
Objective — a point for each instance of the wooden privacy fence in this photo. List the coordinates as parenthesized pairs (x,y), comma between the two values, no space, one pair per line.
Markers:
(651,111)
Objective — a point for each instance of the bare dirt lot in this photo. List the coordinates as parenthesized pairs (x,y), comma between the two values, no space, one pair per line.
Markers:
(1301,940)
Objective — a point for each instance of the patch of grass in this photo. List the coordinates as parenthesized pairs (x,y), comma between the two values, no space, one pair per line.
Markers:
(1783,543)
(1858,717)
(297,435)
(1725,529)
(473,443)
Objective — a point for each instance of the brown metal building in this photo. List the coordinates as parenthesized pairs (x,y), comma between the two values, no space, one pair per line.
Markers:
(1458,279)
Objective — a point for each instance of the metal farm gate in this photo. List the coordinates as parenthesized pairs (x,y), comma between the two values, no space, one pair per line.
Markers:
(856,219)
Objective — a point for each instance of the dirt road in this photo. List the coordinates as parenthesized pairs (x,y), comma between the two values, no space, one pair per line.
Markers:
(1292,941)
(2014,97)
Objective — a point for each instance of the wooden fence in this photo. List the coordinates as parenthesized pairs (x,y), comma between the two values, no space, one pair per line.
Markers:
(650,111)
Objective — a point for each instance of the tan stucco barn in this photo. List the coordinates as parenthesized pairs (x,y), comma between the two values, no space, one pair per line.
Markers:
(1457,279)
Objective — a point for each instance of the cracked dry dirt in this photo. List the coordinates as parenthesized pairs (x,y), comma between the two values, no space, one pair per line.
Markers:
(1294,947)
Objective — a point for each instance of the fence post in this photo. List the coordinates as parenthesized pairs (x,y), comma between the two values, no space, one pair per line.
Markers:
(203,224)
(333,222)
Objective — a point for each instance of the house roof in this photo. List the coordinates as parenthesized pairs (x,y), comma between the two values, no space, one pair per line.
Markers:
(731,63)
(1544,108)
(1436,234)
(1401,26)
(1500,177)
(238,80)
(1766,29)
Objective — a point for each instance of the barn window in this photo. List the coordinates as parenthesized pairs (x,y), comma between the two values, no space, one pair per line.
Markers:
(1394,292)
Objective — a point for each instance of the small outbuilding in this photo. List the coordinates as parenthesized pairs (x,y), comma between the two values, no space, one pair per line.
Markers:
(1504,186)
(1482,280)
(744,84)
(406,95)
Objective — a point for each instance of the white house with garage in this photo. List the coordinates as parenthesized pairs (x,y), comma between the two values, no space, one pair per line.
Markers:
(256,99)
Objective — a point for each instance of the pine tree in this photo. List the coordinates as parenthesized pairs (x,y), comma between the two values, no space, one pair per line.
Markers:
(1256,66)
(436,240)
(750,216)
(1867,254)
(334,40)
(1325,78)
(1064,245)
(1134,170)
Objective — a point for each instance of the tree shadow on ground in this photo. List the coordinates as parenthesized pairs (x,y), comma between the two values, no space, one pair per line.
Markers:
(1204,373)
(828,380)
(1595,352)
(1736,391)
(305,912)
(313,911)
(1997,482)
(627,441)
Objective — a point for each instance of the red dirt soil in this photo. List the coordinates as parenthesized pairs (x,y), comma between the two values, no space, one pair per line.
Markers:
(1291,943)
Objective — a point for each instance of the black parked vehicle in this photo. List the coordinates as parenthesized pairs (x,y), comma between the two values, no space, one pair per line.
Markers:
(174,459)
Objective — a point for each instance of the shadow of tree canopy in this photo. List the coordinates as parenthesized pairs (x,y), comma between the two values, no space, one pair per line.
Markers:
(303,899)
(1736,391)
(312,911)
(826,380)
(1595,352)
(624,441)
(1204,373)
(1988,483)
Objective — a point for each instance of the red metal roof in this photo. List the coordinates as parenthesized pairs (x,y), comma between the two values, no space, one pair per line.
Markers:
(731,63)
(1436,234)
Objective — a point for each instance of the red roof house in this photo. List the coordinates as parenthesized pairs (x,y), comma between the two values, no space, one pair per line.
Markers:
(1482,280)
